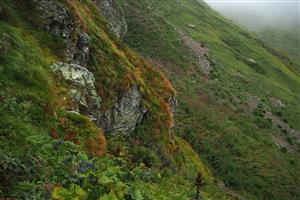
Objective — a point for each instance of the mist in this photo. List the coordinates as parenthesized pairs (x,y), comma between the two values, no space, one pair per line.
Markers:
(260,14)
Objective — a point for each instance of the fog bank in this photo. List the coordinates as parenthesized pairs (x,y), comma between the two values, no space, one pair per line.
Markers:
(259,14)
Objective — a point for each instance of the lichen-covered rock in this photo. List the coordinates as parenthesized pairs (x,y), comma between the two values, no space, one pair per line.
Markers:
(251,61)
(81,55)
(125,115)
(82,88)
(5,43)
(114,14)
(55,17)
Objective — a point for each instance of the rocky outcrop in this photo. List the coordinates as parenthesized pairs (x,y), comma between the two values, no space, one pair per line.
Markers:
(173,104)
(81,55)
(125,115)
(199,51)
(57,19)
(114,15)
(122,118)
(81,87)
(276,103)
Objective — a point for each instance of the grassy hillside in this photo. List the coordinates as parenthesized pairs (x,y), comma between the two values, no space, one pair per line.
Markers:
(48,152)
(222,113)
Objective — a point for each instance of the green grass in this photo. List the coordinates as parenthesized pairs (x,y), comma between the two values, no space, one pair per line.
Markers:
(237,145)
(45,151)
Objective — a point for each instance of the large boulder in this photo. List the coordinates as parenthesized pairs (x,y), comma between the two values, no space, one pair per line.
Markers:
(114,14)
(81,87)
(125,115)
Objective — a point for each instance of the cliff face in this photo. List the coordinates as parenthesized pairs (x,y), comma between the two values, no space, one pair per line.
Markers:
(115,16)
(66,22)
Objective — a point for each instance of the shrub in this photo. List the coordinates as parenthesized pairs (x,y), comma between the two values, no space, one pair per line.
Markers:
(144,155)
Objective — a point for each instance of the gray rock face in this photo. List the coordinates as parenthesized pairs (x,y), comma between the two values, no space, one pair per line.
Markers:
(5,43)
(81,55)
(126,114)
(114,14)
(122,118)
(82,88)
(173,103)
(56,18)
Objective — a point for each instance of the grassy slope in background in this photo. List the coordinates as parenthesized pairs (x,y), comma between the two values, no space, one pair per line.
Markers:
(238,146)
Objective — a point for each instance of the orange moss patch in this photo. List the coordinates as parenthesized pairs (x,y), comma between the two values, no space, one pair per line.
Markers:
(96,146)
(54,133)
(72,137)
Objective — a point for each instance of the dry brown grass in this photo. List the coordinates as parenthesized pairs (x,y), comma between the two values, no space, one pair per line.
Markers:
(96,146)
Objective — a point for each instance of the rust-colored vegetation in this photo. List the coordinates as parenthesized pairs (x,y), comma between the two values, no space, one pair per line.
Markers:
(96,146)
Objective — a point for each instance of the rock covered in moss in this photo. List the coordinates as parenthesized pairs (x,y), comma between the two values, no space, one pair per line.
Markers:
(114,14)
(125,115)
(55,18)
(82,89)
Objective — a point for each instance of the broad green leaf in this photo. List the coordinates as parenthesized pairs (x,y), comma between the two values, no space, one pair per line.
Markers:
(60,193)
(104,180)
(78,190)
(135,193)
(110,196)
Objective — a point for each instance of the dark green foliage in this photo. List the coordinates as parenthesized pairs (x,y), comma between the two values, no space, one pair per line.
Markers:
(144,155)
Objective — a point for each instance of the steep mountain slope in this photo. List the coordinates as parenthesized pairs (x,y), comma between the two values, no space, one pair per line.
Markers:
(81,115)
(238,97)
